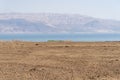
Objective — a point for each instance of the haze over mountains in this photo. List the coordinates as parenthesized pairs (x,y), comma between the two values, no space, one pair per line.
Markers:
(55,23)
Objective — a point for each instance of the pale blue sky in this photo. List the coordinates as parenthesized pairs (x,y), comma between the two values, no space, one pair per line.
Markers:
(108,9)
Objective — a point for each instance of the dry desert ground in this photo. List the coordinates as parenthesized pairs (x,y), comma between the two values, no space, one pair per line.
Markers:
(59,60)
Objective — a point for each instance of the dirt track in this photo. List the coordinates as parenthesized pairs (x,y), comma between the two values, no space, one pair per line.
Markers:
(59,61)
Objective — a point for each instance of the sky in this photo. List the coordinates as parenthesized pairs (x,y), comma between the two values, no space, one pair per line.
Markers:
(105,9)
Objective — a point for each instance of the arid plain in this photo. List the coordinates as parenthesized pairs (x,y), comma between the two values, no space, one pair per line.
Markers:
(59,60)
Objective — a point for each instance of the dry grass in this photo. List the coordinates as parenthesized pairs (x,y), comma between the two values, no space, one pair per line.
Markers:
(59,61)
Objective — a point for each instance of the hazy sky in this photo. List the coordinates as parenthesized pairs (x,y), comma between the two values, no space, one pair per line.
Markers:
(109,9)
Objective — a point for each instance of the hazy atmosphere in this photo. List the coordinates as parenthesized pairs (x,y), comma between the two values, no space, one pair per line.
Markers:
(59,39)
(106,9)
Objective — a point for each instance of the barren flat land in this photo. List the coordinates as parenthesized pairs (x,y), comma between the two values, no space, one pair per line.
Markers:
(59,60)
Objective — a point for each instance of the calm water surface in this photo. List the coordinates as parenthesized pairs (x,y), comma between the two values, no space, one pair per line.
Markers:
(72,37)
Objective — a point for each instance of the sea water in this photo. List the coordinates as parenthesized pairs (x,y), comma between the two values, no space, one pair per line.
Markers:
(71,37)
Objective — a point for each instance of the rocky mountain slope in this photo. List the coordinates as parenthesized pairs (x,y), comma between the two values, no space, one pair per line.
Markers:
(55,23)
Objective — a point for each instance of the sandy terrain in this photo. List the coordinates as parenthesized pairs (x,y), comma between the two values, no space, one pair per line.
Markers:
(59,61)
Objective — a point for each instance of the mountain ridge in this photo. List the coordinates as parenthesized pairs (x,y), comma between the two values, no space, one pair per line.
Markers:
(55,23)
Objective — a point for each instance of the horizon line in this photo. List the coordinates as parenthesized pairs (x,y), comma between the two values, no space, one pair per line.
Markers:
(59,13)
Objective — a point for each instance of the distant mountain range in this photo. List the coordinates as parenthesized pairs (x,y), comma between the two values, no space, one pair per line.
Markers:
(55,23)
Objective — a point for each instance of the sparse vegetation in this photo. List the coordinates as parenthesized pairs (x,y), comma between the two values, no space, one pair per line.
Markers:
(59,61)
(59,41)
